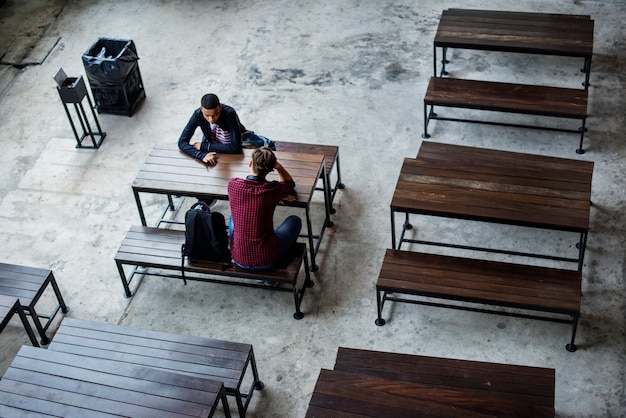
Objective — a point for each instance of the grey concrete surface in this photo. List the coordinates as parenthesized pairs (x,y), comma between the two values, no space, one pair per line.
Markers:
(350,73)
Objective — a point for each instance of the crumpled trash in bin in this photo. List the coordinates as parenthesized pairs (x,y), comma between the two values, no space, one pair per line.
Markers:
(109,62)
(113,73)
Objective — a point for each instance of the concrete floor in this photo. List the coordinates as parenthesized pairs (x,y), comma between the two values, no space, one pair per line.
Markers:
(343,72)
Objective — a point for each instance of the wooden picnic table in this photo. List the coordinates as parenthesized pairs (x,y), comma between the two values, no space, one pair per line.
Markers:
(494,186)
(42,382)
(520,32)
(170,172)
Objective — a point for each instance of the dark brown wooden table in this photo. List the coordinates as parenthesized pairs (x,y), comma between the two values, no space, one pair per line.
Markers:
(381,384)
(494,186)
(223,361)
(170,172)
(42,382)
(521,32)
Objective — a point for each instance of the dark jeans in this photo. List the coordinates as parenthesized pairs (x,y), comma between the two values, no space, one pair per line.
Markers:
(288,233)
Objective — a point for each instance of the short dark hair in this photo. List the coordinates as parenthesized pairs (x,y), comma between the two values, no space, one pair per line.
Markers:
(210,101)
(263,161)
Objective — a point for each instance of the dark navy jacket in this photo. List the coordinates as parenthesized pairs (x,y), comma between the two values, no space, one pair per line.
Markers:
(228,121)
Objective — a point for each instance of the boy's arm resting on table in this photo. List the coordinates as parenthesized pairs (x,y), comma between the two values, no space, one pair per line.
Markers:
(185,137)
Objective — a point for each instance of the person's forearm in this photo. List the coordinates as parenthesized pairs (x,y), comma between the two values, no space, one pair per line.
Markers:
(283,174)
(233,147)
(186,135)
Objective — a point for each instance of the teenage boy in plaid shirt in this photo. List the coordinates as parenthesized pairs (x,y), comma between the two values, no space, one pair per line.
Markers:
(254,244)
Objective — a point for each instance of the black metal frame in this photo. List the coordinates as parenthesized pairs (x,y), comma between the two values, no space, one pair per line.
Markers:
(444,60)
(17,309)
(581,244)
(331,191)
(298,293)
(386,295)
(256,384)
(84,123)
(432,115)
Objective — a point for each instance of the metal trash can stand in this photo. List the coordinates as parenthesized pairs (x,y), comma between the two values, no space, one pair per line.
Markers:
(113,74)
(72,92)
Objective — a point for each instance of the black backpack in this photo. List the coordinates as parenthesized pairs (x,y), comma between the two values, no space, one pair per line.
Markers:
(206,238)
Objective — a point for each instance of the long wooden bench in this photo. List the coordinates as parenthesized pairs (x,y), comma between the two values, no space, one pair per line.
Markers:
(9,306)
(232,363)
(152,250)
(392,383)
(331,159)
(506,97)
(522,287)
(29,284)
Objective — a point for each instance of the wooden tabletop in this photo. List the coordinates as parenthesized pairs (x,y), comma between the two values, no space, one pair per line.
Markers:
(219,360)
(536,33)
(168,170)
(496,186)
(41,382)
(382,384)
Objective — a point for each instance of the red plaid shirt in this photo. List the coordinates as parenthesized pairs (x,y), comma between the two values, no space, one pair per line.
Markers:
(252,205)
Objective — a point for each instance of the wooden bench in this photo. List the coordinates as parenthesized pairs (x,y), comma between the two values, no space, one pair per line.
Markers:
(390,384)
(45,383)
(222,361)
(506,97)
(331,159)
(151,250)
(9,306)
(541,289)
(28,284)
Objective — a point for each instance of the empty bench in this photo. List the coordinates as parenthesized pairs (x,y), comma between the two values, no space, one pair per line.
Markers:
(540,289)
(28,284)
(376,383)
(231,363)
(506,97)
(152,250)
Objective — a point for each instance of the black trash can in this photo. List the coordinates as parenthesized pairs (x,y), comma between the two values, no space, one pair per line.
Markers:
(113,73)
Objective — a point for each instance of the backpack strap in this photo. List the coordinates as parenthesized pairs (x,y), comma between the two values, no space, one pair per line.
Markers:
(182,263)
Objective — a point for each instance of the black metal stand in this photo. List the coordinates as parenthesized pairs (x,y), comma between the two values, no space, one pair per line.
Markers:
(73,91)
